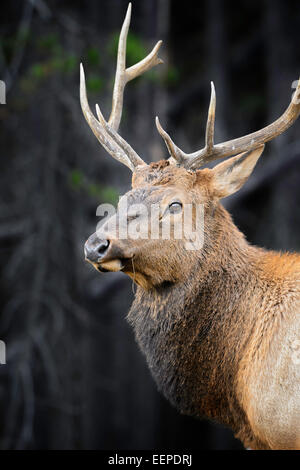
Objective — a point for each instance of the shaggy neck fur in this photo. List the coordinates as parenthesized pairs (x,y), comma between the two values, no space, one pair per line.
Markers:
(193,333)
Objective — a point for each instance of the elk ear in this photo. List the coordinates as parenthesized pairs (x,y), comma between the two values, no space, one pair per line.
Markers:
(231,175)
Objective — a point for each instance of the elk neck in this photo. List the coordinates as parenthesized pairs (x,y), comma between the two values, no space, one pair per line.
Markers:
(193,332)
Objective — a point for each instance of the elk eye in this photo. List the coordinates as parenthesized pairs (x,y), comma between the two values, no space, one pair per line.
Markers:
(175,207)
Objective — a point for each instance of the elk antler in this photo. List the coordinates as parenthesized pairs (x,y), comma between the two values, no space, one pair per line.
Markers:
(106,132)
(231,147)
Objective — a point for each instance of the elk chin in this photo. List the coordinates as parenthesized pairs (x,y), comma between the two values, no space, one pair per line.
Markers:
(113,265)
(140,279)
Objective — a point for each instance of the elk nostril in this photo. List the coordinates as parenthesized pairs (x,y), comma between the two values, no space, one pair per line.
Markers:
(103,247)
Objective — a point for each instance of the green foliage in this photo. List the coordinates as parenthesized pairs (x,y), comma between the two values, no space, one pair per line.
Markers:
(93,56)
(70,63)
(110,194)
(64,64)
(152,75)
(52,59)
(54,64)
(37,71)
(76,178)
(10,44)
(135,52)
(172,76)
(106,193)
(49,43)
(23,36)
(94,84)
(78,181)
(94,190)
(166,77)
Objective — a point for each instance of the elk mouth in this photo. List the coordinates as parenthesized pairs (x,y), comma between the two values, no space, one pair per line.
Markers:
(125,265)
(112,265)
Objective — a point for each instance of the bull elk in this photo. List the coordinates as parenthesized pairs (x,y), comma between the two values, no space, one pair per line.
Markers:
(218,325)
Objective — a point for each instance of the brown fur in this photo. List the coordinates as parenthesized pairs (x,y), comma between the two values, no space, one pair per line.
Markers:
(217,325)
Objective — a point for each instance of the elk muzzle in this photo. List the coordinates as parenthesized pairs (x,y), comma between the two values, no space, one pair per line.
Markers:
(103,254)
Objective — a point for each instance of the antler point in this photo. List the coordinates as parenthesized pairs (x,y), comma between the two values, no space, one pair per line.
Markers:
(158,125)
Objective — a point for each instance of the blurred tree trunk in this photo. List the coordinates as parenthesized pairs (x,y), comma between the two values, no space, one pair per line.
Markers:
(160,98)
(277,61)
(217,58)
(151,99)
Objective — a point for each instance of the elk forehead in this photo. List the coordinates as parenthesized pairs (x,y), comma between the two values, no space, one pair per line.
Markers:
(145,195)
(164,175)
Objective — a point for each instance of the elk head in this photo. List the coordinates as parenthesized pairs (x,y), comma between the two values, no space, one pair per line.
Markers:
(171,186)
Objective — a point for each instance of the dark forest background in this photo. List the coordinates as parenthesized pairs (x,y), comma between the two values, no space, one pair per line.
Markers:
(74,377)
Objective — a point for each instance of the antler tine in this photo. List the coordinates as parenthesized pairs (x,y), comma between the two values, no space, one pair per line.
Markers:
(124,75)
(120,80)
(174,151)
(100,132)
(253,140)
(133,156)
(210,126)
(232,147)
(106,132)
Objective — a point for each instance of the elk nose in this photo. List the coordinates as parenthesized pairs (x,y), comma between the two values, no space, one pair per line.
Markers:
(95,249)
